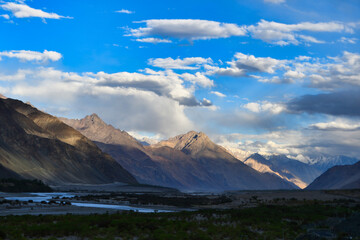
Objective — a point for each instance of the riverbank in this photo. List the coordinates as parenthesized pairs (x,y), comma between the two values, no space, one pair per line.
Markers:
(111,202)
(67,203)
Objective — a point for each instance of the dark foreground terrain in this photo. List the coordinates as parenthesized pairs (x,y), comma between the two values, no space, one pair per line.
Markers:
(235,215)
(23,185)
(304,221)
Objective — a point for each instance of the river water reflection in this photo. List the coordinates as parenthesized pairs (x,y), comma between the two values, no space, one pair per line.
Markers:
(39,197)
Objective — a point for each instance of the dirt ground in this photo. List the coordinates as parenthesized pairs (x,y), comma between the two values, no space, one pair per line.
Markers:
(281,197)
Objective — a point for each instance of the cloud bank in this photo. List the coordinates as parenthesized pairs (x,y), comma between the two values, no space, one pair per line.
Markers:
(268,31)
(343,103)
(285,34)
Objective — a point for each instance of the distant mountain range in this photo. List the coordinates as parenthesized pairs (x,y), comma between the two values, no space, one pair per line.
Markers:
(292,170)
(325,162)
(36,145)
(338,177)
(299,173)
(189,162)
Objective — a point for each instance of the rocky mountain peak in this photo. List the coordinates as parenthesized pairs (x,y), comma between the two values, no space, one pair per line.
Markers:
(95,117)
(94,128)
(92,119)
(193,139)
(190,140)
(192,136)
(2,96)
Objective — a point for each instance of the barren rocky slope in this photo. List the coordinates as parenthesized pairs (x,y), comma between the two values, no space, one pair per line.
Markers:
(34,144)
(219,169)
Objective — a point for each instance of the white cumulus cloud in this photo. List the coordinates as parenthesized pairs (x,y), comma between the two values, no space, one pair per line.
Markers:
(264,106)
(125,11)
(191,29)
(167,84)
(21,10)
(271,32)
(285,34)
(26,55)
(153,40)
(6,16)
(328,73)
(186,63)
(219,94)
(198,78)
(337,125)
(244,64)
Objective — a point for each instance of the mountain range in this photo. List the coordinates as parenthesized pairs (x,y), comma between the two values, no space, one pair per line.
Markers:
(189,161)
(36,145)
(292,170)
(325,162)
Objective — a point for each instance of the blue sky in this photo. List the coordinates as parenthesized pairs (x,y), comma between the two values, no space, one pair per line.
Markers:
(271,76)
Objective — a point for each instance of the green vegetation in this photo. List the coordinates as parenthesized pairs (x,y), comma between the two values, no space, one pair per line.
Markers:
(23,185)
(263,222)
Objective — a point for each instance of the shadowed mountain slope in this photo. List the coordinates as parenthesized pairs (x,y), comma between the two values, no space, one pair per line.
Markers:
(338,177)
(34,144)
(7,173)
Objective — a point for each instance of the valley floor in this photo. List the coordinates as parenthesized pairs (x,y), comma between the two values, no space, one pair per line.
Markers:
(232,215)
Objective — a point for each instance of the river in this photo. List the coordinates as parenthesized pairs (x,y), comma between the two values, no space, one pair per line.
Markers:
(39,197)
